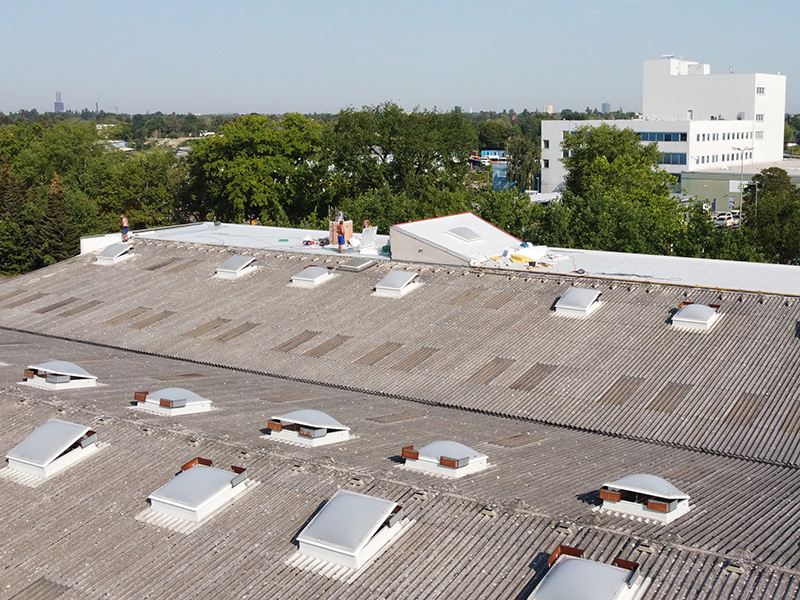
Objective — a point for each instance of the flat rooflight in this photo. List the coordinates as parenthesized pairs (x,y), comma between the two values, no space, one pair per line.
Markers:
(236,266)
(465,234)
(574,578)
(356,265)
(695,316)
(312,277)
(49,444)
(397,283)
(578,302)
(114,253)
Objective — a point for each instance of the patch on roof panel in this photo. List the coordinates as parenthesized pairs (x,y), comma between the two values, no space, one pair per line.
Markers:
(25,300)
(578,302)
(356,265)
(466,297)
(490,371)
(377,354)
(394,418)
(695,316)
(465,234)
(55,306)
(183,266)
(41,589)
(532,377)
(235,267)
(500,300)
(295,341)
(691,472)
(516,441)
(5,297)
(746,409)
(152,319)
(235,332)
(621,390)
(127,315)
(311,277)
(397,283)
(51,448)
(79,309)
(114,253)
(416,358)
(206,328)
(332,344)
(160,265)
(669,397)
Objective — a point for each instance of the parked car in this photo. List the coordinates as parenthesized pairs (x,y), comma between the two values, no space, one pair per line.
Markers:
(724,220)
(738,218)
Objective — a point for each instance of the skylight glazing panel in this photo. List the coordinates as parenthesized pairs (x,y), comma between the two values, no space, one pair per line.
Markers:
(578,298)
(48,442)
(311,274)
(311,418)
(235,264)
(396,280)
(465,234)
(193,487)
(115,251)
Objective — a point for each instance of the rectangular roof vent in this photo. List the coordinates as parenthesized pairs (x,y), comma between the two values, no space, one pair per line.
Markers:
(51,448)
(312,276)
(697,317)
(235,267)
(114,254)
(397,283)
(356,265)
(198,491)
(465,234)
(58,375)
(578,302)
(352,528)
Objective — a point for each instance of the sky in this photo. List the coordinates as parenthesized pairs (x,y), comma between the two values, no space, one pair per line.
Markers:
(204,56)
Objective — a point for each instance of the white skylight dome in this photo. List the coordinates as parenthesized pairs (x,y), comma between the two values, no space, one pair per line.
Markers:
(397,283)
(572,577)
(578,302)
(312,277)
(351,529)
(198,491)
(171,401)
(695,316)
(235,267)
(465,234)
(445,458)
(51,448)
(307,427)
(646,496)
(114,253)
(58,375)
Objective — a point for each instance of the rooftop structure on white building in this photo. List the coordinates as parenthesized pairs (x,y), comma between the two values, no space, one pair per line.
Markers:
(700,121)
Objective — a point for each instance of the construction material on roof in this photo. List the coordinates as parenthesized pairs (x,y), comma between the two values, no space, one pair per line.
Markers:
(51,448)
(445,458)
(307,427)
(352,528)
(235,267)
(356,265)
(312,276)
(572,577)
(171,401)
(397,283)
(198,491)
(578,302)
(114,253)
(57,375)
(645,496)
(697,317)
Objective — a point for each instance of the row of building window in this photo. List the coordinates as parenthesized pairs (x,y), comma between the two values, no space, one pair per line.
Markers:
(760,90)
(725,158)
(673,158)
(657,136)
(728,135)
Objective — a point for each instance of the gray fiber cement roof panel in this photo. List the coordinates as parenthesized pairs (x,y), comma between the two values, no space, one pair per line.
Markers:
(47,442)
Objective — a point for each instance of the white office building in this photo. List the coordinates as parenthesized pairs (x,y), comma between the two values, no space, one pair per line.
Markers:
(701,122)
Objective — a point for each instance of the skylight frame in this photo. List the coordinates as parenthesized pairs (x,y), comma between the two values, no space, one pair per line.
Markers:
(312,276)
(695,317)
(58,375)
(114,253)
(356,264)
(445,458)
(578,302)
(236,266)
(654,498)
(397,283)
(52,448)
(307,427)
(171,402)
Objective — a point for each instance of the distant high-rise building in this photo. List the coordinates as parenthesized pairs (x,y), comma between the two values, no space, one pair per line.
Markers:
(58,105)
(606,108)
(548,109)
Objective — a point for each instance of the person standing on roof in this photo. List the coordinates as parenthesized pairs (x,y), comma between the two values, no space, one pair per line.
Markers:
(125,227)
(340,234)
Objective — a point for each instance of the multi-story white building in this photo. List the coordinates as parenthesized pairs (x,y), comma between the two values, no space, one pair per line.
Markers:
(701,122)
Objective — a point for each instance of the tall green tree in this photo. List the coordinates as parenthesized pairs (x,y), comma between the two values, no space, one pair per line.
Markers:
(58,236)
(523,162)
(773,216)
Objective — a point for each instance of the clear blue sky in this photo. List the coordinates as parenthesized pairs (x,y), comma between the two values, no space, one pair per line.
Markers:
(206,56)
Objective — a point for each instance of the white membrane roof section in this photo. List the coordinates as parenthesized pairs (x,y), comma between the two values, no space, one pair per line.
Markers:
(396,280)
(483,241)
(62,367)
(235,264)
(175,393)
(578,298)
(47,442)
(448,449)
(574,578)
(312,274)
(115,250)
(194,486)
(648,484)
(311,418)
(347,522)
(695,314)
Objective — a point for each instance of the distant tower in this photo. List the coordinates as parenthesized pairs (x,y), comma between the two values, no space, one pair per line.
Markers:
(606,107)
(97,107)
(58,105)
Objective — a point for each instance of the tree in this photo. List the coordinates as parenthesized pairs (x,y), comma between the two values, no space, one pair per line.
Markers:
(493,135)
(773,224)
(58,237)
(523,162)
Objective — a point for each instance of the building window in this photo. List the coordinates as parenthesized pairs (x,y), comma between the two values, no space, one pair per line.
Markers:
(546,144)
(546,163)
(760,90)
(759,135)
(759,117)
(565,154)
(698,137)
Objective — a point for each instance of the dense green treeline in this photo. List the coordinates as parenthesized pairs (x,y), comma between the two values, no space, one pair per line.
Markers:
(61,178)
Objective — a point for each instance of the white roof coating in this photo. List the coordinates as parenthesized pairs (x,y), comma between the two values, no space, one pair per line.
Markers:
(115,250)
(311,418)
(448,449)
(396,280)
(175,393)
(464,235)
(251,236)
(311,274)
(62,367)
(194,486)
(235,264)
(347,522)
(47,442)
(695,314)
(648,484)
(578,298)
(572,578)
